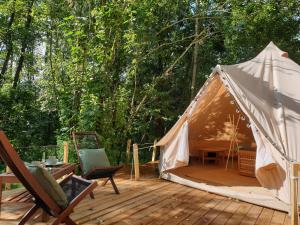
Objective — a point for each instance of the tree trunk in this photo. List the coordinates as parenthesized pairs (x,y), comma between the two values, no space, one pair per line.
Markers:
(55,91)
(195,53)
(8,46)
(24,45)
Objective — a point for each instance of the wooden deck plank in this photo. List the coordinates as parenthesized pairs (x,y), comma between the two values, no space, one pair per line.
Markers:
(278,218)
(187,207)
(155,213)
(287,220)
(136,208)
(252,215)
(181,219)
(265,217)
(238,216)
(225,215)
(213,212)
(101,205)
(205,208)
(170,209)
(154,202)
(103,195)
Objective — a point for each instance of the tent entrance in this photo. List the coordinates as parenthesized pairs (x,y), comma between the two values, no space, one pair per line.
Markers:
(220,137)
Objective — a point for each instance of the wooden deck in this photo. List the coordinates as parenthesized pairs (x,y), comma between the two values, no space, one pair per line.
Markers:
(154,201)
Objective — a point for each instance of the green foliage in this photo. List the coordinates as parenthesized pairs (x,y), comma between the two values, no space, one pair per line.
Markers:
(101,65)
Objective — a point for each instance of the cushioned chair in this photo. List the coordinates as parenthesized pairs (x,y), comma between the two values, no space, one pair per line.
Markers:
(56,199)
(93,160)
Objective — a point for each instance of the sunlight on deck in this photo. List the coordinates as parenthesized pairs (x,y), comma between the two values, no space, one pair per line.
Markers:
(154,201)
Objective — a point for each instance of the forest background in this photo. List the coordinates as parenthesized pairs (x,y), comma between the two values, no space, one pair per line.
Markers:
(126,69)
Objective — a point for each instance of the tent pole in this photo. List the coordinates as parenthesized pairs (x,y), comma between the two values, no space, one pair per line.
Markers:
(235,135)
(229,152)
(233,140)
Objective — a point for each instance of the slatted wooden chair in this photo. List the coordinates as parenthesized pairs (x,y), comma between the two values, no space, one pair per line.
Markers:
(75,188)
(87,142)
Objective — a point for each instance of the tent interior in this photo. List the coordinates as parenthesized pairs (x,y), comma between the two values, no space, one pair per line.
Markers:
(219,136)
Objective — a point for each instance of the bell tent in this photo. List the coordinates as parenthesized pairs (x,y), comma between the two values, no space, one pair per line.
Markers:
(245,117)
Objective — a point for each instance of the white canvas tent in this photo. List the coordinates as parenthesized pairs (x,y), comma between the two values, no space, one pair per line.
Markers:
(267,91)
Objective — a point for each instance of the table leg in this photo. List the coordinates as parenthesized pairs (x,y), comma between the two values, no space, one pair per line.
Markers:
(223,157)
(203,154)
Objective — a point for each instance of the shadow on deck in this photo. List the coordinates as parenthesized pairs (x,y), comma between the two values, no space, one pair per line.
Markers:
(155,201)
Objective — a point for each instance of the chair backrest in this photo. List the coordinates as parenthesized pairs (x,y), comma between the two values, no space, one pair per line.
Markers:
(85,140)
(17,166)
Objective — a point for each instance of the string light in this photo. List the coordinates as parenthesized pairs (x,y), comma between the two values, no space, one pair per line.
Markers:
(233,102)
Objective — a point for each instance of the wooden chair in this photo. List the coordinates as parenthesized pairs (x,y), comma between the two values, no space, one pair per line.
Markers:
(75,188)
(92,142)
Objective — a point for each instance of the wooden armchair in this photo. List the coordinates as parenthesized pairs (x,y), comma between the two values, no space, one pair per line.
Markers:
(75,188)
(89,141)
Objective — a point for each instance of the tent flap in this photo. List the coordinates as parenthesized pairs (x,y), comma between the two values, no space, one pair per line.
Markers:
(176,153)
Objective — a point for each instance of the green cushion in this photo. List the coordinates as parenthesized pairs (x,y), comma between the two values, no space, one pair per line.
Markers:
(91,158)
(50,185)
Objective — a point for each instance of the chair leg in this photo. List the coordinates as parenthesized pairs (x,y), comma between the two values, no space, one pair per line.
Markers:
(28,215)
(105,181)
(57,221)
(114,185)
(69,221)
(92,195)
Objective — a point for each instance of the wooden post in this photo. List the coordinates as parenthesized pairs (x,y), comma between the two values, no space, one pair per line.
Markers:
(66,152)
(294,194)
(136,162)
(154,150)
(128,151)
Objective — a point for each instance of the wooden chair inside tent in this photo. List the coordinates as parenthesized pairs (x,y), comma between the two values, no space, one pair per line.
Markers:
(74,188)
(87,146)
